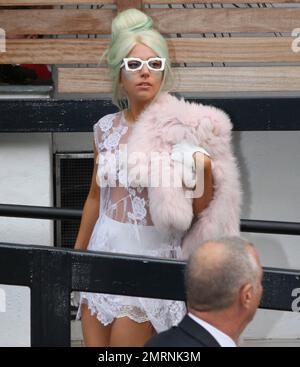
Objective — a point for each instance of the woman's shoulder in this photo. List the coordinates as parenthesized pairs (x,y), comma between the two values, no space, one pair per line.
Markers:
(106,122)
(106,131)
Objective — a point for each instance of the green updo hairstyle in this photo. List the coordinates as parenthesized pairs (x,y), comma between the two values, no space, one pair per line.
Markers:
(131,27)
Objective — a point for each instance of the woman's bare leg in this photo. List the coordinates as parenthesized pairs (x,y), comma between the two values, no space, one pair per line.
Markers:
(128,333)
(95,334)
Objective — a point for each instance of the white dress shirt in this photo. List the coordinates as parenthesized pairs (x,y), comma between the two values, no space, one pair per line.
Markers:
(223,339)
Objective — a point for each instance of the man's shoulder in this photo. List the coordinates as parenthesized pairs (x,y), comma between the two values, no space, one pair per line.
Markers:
(176,336)
(188,333)
(166,338)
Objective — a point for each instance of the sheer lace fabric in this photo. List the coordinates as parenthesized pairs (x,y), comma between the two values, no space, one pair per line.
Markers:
(125,226)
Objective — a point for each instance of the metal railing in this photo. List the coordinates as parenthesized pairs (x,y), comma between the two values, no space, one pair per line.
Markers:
(41,212)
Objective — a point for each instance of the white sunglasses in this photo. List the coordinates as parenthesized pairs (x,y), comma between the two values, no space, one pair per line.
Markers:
(135,63)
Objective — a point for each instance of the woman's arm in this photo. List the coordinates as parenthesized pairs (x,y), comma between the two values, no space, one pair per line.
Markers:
(90,212)
(200,203)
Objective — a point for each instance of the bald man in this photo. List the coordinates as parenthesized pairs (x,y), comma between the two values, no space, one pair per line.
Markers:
(223,283)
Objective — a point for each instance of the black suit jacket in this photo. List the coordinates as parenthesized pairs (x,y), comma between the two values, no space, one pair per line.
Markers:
(188,333)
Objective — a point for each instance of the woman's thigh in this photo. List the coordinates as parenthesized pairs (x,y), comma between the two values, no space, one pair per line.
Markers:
(95,334)
(128,333)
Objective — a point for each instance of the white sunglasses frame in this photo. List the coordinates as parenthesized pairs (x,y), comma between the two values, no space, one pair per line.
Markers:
(126,59)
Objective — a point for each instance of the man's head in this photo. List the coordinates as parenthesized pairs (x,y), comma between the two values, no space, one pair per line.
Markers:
(224,274)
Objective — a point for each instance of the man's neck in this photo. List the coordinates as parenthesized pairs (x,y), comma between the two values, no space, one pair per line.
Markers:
(223,321)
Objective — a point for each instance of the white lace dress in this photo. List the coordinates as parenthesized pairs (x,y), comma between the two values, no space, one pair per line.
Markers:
(124,226)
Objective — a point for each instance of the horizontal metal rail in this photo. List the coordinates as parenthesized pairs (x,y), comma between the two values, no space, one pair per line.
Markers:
(41,212)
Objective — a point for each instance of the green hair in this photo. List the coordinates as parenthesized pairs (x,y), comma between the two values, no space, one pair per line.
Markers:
(131,27)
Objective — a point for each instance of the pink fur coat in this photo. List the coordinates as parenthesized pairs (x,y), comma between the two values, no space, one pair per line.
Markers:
(168,121)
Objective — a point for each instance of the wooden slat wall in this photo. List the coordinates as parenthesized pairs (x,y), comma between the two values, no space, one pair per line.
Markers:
(167,21)
(182,50)
(62,2)
(251,44)
(193,80)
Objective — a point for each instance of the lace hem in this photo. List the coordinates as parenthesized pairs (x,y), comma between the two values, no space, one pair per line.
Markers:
(161,313)
(133,312)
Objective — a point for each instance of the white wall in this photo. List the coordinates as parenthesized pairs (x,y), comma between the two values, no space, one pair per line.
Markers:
(72,142)
(25,179)
(270,167)
(14,316)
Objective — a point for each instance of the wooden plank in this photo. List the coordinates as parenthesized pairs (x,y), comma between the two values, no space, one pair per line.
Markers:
(189,50)
(213,1)
(126,4)
(192,80)
(166,21)
(68,2)
(16,22)
(232,49)
(53,2)
(96,80)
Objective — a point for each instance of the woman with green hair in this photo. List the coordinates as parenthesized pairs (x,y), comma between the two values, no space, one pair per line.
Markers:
(125,214)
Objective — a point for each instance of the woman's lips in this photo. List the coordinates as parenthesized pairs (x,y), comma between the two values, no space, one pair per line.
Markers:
(143,85)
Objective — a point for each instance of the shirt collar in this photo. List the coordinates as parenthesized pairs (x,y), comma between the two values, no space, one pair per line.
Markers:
(223,339)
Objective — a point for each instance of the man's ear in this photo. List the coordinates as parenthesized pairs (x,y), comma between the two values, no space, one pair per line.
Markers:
(246,295)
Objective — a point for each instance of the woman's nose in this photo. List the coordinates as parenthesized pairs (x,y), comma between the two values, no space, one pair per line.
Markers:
(145,69)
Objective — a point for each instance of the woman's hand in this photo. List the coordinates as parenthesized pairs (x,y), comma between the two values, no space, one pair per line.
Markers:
(185,153)
(196,160)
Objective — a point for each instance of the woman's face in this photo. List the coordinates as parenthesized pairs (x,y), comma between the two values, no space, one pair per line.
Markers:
(130,79)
